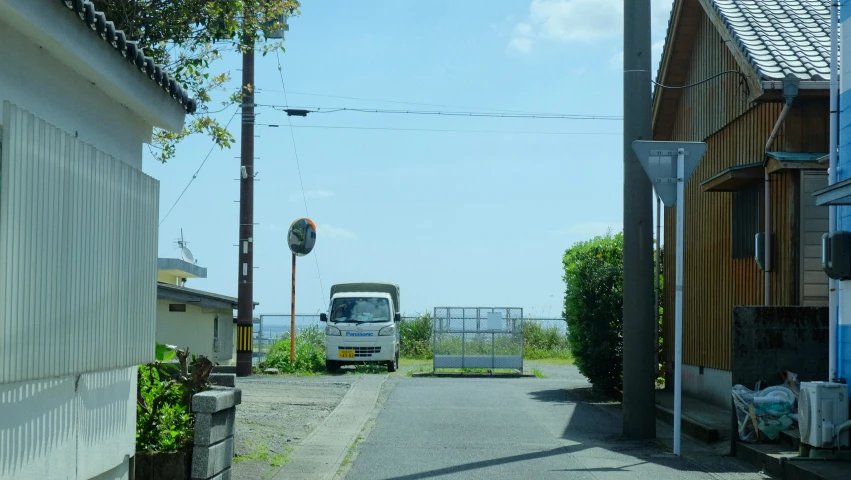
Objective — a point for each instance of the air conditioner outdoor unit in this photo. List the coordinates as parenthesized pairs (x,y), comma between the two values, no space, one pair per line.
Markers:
(822,409)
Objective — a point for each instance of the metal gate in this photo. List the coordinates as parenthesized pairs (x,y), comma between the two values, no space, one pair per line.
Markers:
(480,337)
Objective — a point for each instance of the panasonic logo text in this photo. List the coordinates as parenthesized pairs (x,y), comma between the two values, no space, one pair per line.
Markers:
(358,334)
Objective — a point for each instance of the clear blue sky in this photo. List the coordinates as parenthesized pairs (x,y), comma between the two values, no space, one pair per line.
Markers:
(456,218)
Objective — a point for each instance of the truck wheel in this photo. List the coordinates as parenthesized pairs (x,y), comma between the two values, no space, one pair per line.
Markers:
(393,365)
(331,366)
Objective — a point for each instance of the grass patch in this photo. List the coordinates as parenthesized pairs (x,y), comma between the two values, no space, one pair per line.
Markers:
(259,451)
(279,460)
(555,361)
(538,373)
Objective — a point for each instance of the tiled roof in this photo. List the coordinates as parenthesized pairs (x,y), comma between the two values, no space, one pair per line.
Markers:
(97,22)
(781,37)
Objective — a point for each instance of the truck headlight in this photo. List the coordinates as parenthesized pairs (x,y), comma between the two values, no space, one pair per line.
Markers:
(387,331)
(329,330)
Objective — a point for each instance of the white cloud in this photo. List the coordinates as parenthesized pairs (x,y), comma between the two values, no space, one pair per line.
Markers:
(523,28)
(577,20)
(520,44)
(330,231)
(271,227)
(297,197)
(590,229)
(581,21)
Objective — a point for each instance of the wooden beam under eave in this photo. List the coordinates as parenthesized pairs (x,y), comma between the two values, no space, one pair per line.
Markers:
(773,166)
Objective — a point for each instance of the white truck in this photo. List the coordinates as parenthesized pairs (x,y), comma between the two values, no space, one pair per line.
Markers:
(362,325)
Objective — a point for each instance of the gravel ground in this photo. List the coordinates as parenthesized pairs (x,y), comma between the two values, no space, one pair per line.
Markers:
(275,414)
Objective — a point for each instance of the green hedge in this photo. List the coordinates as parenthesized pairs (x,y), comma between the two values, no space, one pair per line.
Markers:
(593,308)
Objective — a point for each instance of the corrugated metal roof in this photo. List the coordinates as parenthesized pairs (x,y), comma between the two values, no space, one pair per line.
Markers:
(198,297)
(781,37)
(795,156)
(100,26)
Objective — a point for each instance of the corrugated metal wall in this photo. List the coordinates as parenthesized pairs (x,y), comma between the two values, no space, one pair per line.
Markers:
(78,253)
(735,132)
(814,282)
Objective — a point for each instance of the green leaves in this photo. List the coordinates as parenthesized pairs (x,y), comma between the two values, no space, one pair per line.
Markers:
(188,37)
(593,308)
(164,422)
(165,352)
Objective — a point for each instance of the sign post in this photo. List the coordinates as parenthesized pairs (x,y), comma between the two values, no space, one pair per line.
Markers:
(301,239)
(669,166)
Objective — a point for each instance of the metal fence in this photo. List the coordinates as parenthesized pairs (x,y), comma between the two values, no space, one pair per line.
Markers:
(481,337)
(270,328)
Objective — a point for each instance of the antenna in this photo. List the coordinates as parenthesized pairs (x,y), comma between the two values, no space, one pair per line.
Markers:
(187,255)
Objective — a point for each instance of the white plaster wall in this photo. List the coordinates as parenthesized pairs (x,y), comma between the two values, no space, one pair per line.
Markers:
(713,386)
(74,427)
(192,328)
(33,79)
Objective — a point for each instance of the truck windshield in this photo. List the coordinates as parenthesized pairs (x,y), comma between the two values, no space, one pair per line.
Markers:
(360,309)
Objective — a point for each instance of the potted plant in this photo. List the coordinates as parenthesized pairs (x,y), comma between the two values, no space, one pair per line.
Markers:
(164,420)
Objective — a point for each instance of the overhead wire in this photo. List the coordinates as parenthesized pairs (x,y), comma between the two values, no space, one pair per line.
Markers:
(301,181)
(442,105)
(552,116)
(195,175)
(441,130)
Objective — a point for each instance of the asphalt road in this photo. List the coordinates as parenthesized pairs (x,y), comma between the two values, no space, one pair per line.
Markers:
(493,429)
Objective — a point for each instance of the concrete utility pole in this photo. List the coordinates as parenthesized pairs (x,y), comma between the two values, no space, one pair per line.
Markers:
(639,419)
(245,292)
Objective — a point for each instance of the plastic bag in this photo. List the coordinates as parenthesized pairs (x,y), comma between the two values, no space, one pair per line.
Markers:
(769,411)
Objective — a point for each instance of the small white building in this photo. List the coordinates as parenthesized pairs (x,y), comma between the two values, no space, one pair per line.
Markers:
(201,321)
(78,230)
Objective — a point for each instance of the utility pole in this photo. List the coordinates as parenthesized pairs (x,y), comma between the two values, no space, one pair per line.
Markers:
(639,419)
(245,292)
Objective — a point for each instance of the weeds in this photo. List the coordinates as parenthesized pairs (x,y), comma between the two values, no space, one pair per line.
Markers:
(309,352)
(538,373)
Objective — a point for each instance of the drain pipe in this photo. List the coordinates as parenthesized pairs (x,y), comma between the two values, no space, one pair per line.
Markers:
(790,91)
(833,303)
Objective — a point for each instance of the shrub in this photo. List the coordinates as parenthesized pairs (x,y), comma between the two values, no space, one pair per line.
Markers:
(416,337)
(543,341)
(593,308)
(309,352)
(164,422)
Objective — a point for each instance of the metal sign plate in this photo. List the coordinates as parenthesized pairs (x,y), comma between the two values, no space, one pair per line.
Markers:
(659,160)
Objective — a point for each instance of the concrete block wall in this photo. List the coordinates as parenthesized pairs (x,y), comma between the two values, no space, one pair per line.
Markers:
(215,416)
(767,340)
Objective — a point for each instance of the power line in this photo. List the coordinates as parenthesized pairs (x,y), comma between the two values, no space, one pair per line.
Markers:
(441,130)
(195,175)
(442,105)
(303,111)
(298,165)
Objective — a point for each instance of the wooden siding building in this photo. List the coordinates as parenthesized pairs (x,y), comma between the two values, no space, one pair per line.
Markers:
(725,201)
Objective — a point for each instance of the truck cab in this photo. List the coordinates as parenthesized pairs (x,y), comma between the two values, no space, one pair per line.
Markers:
(362,325)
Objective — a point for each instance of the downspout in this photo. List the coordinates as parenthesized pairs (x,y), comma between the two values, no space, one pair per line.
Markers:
(790,91)
(833,304)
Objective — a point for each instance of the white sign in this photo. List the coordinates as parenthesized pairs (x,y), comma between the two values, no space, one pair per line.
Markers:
(659,160)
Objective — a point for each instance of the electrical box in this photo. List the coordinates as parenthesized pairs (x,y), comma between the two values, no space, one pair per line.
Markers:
(836,255)
(759,249)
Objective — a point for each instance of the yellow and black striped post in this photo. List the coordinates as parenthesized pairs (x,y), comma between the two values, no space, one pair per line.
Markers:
(244,341)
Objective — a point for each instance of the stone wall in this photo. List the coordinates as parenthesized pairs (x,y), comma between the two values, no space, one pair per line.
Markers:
(215,416)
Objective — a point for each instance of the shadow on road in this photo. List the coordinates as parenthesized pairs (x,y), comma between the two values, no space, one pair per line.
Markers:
(489,463)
